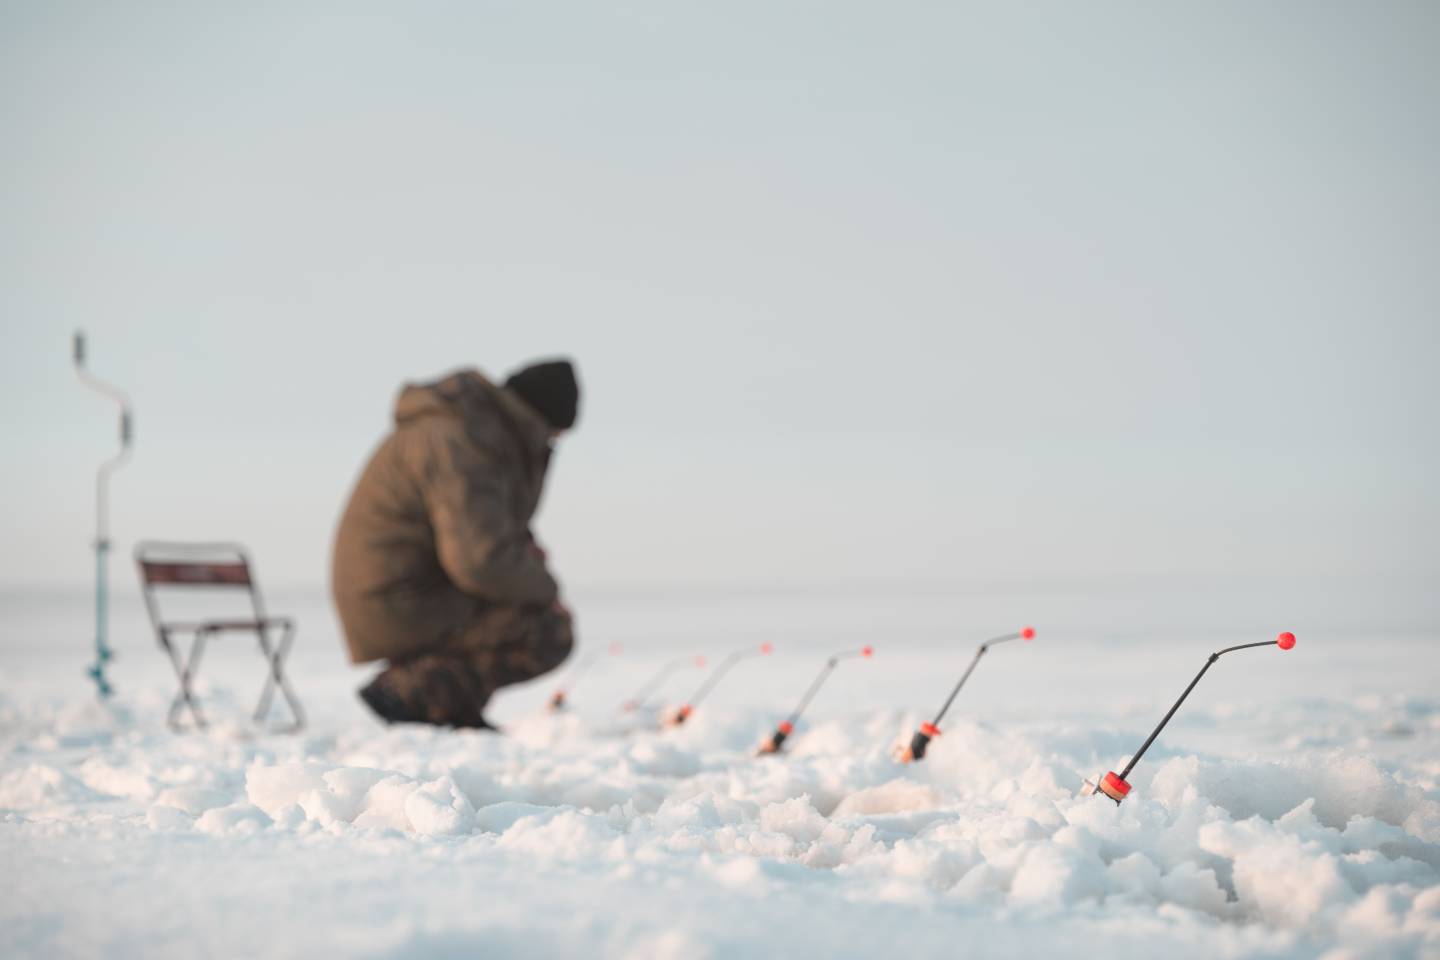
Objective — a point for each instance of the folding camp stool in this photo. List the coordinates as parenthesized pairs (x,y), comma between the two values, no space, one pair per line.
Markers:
(215,566)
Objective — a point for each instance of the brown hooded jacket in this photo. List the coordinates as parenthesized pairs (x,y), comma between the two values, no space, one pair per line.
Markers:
(438,526)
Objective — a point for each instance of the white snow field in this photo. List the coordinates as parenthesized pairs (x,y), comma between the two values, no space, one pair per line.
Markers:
(1291,810)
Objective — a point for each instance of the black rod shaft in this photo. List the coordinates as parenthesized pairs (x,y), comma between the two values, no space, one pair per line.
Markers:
(581,668)
(1246,646)
(953,693)
(814,688)
(1166,719)
(714,678)
(971,669)
(651,685)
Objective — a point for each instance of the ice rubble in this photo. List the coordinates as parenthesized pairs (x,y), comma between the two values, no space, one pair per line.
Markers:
(1327,849)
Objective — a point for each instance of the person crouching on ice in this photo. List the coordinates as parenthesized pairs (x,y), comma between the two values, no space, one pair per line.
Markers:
(435,569)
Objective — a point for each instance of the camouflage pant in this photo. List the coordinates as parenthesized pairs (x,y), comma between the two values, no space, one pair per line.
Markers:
(504,645)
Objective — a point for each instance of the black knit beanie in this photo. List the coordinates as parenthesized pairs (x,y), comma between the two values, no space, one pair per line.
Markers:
(550,389)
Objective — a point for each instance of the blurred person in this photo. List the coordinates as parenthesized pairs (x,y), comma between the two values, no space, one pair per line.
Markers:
(435,568)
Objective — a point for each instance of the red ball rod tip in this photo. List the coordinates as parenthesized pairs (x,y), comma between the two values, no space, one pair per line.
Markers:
(1027,633)
(766,648)
(867,651)
(1285,641)
(700,661)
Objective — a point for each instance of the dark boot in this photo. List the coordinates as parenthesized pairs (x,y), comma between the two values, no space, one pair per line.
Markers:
(435,690)
(385,704)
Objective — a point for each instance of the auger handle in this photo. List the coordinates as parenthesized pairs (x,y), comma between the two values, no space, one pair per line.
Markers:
(103,652)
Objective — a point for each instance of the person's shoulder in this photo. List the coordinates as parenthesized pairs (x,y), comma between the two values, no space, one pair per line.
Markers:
(446,438)
(429,431)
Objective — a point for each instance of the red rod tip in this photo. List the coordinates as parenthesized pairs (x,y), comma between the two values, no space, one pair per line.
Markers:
(699,661)
(766,647)
(1027,633)
(786,728)
(866,651)
(1285,640)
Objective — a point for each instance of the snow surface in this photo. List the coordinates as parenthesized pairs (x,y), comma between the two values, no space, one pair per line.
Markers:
(1291,810)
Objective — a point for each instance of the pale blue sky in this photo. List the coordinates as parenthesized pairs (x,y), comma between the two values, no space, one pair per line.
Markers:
(858,291)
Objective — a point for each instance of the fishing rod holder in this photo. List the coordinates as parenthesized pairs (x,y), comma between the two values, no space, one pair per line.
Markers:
(919,743)
(776,740)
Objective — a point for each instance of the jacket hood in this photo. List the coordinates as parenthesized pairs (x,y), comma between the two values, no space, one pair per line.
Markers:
(488,410)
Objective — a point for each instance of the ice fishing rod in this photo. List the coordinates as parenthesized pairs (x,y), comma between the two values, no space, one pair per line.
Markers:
(1114,785)
(777,739)
(637,700)
(560,697)
(929,731)
(723,667)
(103,653)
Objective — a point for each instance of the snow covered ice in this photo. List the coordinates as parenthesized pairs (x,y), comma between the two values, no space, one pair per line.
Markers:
(1291,810)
